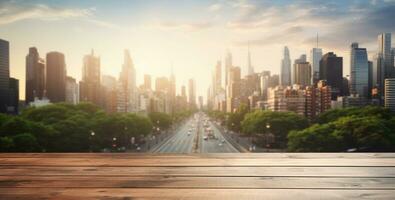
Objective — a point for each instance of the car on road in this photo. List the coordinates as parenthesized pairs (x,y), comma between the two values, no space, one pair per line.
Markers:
(205,138)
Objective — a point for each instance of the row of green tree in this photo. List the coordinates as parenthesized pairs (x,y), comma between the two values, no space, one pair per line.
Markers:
(77,128)
(371,128)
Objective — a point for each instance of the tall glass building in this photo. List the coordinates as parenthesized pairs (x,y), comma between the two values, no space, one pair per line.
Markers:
(285,76)
(359,71)
(315,57)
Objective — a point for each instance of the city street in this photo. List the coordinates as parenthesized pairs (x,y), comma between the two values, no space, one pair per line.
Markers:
(180,142)
(217,145)
(193,137)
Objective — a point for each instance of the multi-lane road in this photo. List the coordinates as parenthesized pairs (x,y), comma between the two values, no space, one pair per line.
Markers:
(192,137)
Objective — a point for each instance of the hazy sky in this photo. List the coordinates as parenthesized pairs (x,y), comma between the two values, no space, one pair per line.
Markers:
(188,35)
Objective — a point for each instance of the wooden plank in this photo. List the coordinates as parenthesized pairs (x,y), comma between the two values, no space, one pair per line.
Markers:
(158,161)
(197,182)
(191,156)
(189,194)
(199,171)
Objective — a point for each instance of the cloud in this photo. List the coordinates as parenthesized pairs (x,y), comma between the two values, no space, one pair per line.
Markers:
(11,12)
(338,23)
(184,26)
(215,7)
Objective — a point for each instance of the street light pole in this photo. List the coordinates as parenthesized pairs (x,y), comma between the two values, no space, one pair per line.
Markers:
(91,140)
(267,136)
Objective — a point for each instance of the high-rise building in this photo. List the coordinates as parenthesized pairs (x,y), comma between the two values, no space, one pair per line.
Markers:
(147,82)
(370,79)
(90,85)
(9,87)
(4,65)
(4,75)
(389,100)
(228,65)
(13,106)
(217,86)
(72,90)
(162,84)
(285,74)
(249,65)
(274,80)
(35,76)
(183,100)
(127,87)
(315,57)
(359,71)
(331,70)
(109,91)
(264,84)
(283,99)
(302,73)
(318,99)
(172,92)
(393,56)
(183,91)
(302,59)
(233,89)
(192,93)
(56,77)
(384,49)
(295,100)
(200,102)
(276,99)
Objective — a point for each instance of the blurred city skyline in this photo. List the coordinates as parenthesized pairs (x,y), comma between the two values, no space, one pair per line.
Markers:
(189,36)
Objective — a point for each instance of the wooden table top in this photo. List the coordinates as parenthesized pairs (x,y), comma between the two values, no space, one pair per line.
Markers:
(197,176)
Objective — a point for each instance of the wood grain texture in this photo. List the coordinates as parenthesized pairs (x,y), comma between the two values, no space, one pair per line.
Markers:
(198,176)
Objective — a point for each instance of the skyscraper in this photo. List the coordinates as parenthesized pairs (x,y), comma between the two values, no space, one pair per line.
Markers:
(35,76)
(109,93)
(217,78)
(379,75)
(285,74)
(90,86)
(9,87)
(384,48)
(172,92)
(302,59)
(234,85)
(359,71)
(56,77)
(4,74)
(228,65)
(331,70)
(389,100)
(315,57)
(128,88)
(302,73)
(192,93)
(147,82)
(183,91)
(162,84)
(72,90)
(249,65)
(370,78)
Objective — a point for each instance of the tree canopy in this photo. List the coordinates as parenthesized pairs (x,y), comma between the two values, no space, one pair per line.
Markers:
(277,123)
(70,128)
(367,129)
